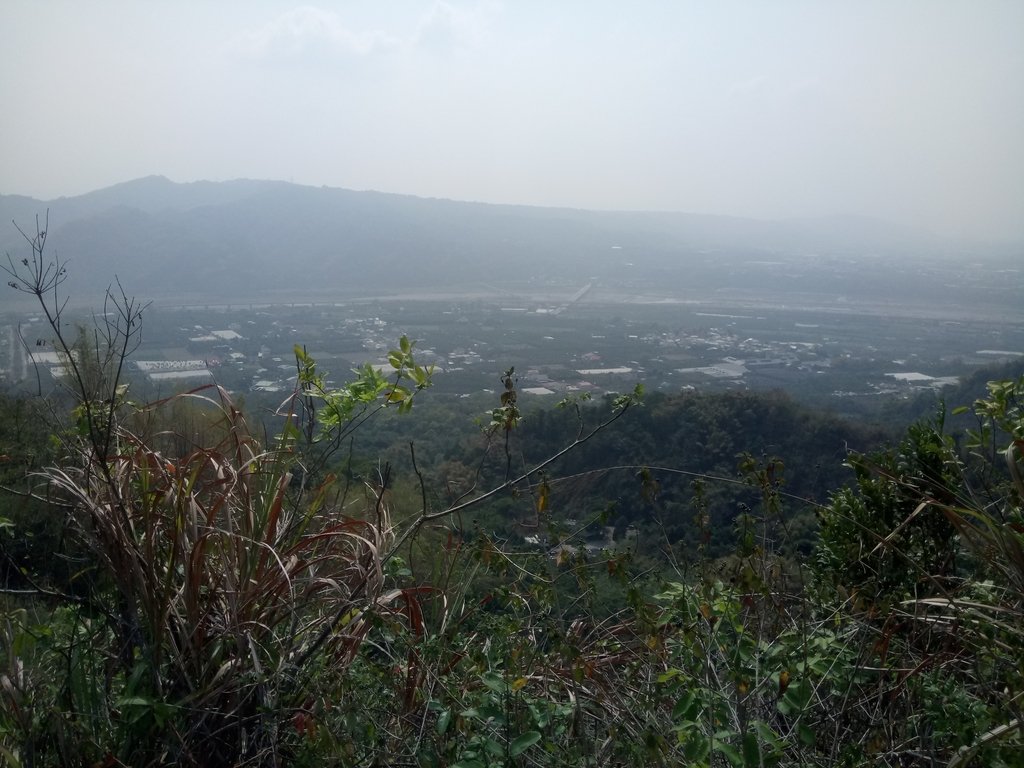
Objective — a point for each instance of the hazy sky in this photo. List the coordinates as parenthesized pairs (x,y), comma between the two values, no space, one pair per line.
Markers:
(913,111)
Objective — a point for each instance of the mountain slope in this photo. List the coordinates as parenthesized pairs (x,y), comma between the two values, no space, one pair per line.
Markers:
(244,237)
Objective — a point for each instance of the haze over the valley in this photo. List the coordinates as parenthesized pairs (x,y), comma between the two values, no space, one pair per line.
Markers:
(911,112)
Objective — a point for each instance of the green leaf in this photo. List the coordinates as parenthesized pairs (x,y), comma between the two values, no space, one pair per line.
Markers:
(492,712)
(495,682)
(730,753)
(398,395)
(806,735)
(767,735)
(795,699)
(10,757)
(751,750)
(443,721)
(133,701)
(523,743)
(687,708)
(695,747)
(664,677)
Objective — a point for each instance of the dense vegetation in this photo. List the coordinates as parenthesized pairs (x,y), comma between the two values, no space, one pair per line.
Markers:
(180,590)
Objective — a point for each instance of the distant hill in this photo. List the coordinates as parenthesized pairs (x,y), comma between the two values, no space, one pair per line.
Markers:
(245,238)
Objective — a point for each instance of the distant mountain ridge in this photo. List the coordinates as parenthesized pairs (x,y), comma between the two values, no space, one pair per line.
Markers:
(246,237)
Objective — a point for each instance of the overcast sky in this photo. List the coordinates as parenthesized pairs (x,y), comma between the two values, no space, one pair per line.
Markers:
(911,111)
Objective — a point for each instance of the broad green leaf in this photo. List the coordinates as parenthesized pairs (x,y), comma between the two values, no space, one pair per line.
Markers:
(443,721)
(751,751)
(730,753)
(806,735)
(495,682)
(523,743)
(687,708)
(767,735)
